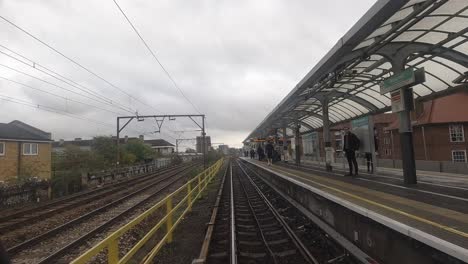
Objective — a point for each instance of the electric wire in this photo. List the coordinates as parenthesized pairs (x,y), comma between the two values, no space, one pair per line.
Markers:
(155,57)
(59,96)
(50,109)
(57,86)
(75,62)
(61,78)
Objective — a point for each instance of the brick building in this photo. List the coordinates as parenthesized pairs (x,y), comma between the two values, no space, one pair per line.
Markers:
(439,130)
(24,151)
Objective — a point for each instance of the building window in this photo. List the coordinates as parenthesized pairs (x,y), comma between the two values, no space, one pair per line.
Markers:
(459,155)
(30,149)
(2,148)
(386,141)
(388,152)
(456,133)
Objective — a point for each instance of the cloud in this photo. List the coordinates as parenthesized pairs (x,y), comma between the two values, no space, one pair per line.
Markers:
(235,60)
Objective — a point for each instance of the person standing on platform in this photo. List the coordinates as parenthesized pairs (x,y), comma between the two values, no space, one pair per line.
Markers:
(350,146)
(252,153)
(269,152)
(260,152)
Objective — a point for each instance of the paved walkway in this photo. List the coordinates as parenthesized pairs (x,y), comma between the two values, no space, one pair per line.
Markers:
(443,178)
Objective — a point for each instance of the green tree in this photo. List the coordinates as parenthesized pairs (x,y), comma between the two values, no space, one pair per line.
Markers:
(106,148)
(139,150)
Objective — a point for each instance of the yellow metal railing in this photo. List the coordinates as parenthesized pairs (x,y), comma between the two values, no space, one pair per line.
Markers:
(111,243)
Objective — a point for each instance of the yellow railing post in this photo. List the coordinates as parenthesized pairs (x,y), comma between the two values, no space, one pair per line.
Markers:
(111,243)
(199,183)
(113,252)
(169,219)
(189,200)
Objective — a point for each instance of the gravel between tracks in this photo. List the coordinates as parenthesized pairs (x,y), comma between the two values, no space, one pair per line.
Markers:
(20,234)
(49,246)
(189,235)
(129,240)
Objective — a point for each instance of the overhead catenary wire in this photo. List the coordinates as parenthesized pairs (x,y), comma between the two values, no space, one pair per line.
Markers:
(156,58)
(50,109)
(36,66)
(58,86)
(75,62)
(59,96)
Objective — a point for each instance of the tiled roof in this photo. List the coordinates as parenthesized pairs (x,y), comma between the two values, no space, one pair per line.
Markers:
(448,109)
(17,130)
(158,143)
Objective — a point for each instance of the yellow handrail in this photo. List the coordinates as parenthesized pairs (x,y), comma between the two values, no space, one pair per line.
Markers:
(112,241)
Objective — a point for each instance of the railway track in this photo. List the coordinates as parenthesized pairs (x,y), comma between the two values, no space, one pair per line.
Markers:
(51,245)
(252,223)
(22,217)
(248,229)
(35,223)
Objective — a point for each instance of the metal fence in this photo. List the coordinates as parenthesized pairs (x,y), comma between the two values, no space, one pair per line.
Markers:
(171,218)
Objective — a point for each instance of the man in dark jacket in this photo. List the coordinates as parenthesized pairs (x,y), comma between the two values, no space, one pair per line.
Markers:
(351,144)
(269,152)
(260,152)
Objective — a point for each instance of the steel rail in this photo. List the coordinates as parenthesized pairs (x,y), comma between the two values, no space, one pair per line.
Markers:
(233,221)
(302,248)
(35,240)
(257,222)
(66,249)
(96,192)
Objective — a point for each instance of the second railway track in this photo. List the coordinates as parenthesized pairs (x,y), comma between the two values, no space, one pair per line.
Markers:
(252,223)
(49,246)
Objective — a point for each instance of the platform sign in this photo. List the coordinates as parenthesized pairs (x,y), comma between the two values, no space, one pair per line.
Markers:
(397,102)
(360,127)
(408,77)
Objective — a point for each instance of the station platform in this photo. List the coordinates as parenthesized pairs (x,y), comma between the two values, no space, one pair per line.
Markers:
(424,177)
(431,212)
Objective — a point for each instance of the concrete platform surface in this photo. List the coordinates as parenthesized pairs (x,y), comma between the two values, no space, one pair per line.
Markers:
(434,215)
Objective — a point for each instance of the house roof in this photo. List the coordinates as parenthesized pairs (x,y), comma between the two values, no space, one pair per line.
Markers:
(449,109)
(81,143)
(17,130)
(158,143)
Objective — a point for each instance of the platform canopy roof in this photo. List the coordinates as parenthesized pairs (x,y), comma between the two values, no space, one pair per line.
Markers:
(392,36)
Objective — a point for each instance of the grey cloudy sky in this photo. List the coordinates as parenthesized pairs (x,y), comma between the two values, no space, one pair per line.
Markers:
(235,60)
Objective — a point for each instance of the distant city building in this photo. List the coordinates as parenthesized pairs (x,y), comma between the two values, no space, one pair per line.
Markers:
(200,144)
(161,146)
(224,149)
(24,151)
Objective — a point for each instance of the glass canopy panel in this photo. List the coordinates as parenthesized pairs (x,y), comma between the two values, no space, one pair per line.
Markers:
(448,21)
(428,22)
(451,7)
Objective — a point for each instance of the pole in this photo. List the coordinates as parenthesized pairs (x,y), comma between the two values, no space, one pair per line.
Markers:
(424,142)
(298,143)
(326,135)
(203,141)
(406,138)
(118,142)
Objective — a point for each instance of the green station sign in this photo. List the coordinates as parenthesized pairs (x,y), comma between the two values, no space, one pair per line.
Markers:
(408,77)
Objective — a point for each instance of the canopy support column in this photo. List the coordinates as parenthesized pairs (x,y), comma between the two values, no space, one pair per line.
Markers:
(285,145)
(326,134)
(406,130)
(297,139)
